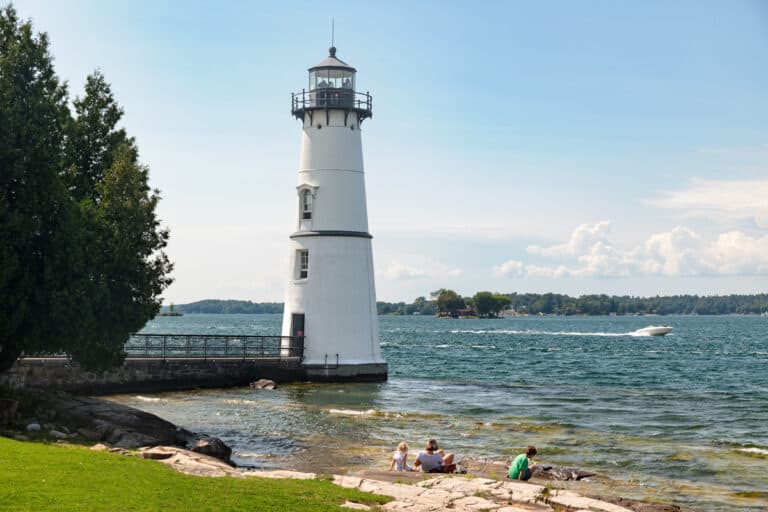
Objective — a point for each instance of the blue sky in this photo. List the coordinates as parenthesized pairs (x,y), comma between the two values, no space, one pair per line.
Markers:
(574,147)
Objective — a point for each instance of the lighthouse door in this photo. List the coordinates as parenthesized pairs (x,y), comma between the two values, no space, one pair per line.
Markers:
(297,333)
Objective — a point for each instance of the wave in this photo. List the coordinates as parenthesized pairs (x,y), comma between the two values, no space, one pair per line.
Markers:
(754,451)
(546,333)
(148,399)
(352,412)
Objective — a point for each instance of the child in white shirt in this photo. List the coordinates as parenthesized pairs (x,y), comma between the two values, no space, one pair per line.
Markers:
(399,458)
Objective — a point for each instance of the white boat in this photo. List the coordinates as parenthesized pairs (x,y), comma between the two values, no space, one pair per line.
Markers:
(653,330)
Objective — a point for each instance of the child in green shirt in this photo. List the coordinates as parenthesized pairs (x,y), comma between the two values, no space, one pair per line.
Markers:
(519,469)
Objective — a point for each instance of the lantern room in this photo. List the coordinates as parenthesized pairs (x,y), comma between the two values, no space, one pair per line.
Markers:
(331,86)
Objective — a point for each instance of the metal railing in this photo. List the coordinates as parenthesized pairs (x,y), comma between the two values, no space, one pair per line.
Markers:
(203,346)
(360,102)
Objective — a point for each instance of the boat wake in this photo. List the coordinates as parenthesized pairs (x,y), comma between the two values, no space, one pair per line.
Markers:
(533,332)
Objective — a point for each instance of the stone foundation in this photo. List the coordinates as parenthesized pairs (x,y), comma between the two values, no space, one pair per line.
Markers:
(149,375)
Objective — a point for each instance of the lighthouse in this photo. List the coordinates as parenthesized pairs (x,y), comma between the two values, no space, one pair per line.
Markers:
(330,302)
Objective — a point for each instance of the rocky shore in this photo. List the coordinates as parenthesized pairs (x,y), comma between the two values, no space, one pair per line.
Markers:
(39,414)
(132,432)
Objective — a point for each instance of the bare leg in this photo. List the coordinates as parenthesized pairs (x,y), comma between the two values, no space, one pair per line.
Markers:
(448,464)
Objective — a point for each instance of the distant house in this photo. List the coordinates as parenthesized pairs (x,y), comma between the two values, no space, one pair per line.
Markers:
(465,312)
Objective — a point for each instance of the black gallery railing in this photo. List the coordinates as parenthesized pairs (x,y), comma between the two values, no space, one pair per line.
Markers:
(360,102)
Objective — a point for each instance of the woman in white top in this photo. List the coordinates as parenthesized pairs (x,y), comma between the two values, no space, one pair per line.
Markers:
(399,459)
(434,460)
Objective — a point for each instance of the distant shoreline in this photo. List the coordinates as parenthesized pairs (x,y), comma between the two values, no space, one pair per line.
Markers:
(532,304)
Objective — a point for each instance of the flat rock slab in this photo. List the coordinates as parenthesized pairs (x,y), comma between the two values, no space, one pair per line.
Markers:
(348,482)
(576,501)
(189,462)
(406,506)
(355,506)
(397,491)
(475,503)
(295,475)
(522,491)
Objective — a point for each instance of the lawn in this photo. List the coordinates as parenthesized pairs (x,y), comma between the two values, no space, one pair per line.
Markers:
(39,477)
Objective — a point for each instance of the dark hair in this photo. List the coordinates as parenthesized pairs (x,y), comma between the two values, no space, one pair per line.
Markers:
(531,451)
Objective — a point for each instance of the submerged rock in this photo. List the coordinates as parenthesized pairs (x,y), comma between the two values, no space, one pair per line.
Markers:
(213,447)
(263,384)
(560,472)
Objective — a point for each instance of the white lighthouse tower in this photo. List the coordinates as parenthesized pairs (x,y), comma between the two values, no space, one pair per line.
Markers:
(331,296)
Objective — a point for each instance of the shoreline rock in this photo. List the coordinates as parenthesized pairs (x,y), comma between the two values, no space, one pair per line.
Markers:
(101,421)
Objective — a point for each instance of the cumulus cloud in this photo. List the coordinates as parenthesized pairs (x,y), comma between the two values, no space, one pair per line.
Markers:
(679,252)
(720,199)
(425,269)
(510,268)
(582,238)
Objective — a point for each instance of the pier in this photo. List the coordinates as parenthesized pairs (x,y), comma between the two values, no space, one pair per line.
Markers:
(168,362)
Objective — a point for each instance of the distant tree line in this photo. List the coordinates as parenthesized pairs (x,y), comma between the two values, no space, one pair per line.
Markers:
(487,304)
(229,307)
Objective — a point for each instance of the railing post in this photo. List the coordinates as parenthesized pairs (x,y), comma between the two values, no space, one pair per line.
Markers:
(165,342)
(262,346)
(188,347)
(205,349)
(226,346)
(146,346)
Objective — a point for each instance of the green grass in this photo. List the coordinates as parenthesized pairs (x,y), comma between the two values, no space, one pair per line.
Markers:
(40,477)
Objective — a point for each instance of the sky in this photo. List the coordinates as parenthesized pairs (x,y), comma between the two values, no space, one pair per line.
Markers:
(548,146)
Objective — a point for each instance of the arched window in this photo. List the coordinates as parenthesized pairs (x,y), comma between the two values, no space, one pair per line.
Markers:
(306,205)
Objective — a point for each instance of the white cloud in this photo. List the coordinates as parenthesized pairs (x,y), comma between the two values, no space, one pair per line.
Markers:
(510,268)
(421,270)
(720,200)
(582,238)
(679,252)
(737,253)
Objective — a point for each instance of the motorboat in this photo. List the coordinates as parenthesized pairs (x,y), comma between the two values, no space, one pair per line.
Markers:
(653,330)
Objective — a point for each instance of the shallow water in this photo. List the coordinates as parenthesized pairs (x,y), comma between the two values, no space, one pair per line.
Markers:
(682,419)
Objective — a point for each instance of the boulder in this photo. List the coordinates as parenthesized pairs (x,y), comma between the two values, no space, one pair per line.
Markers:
(8,408)
(263,384)
(33,427)
(56,434)
(90,435)
(213,447)
(560,472)
(131,440)
(185,438)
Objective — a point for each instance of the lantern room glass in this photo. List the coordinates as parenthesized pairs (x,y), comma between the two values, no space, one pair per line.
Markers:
(332,79)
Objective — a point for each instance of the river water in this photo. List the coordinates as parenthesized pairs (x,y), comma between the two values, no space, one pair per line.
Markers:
(682,419)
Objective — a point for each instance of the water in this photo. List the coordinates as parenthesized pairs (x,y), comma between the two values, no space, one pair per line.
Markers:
(681,418)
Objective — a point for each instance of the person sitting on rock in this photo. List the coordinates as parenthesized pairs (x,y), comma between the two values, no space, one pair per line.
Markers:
(400,458)
(434,460)
(520,468)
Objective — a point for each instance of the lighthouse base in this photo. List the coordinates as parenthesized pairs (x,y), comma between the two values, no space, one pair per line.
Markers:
(371,372)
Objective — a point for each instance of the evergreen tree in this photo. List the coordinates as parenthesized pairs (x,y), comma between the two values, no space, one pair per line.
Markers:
(37,218)
(81,261)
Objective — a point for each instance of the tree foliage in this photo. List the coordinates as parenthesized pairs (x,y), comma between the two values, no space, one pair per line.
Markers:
(559,304)
(81,260)
(489,304)
(447,301)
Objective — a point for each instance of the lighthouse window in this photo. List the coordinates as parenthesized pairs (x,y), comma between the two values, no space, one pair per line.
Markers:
(306,205)
(302,264)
